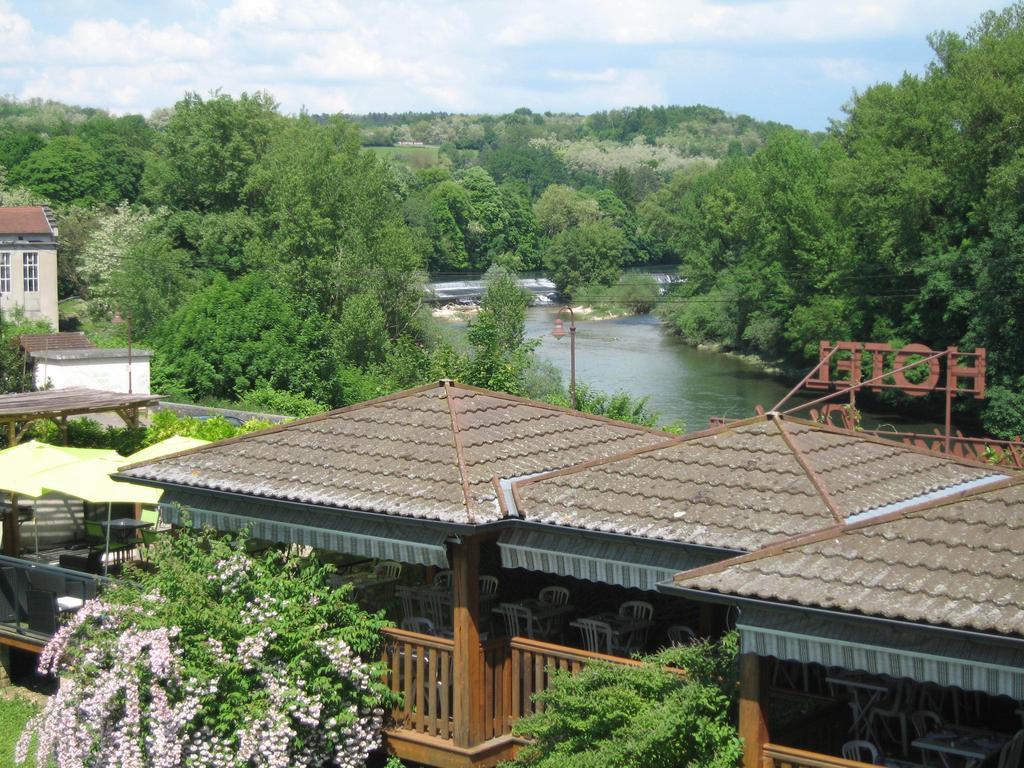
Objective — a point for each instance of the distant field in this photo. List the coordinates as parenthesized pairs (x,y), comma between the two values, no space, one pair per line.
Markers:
(414,157)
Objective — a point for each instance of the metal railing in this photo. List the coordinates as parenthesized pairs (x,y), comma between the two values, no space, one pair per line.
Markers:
(33,595)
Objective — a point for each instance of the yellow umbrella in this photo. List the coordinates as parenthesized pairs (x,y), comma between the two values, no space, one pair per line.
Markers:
(173,444)
(90,480)
(21,466)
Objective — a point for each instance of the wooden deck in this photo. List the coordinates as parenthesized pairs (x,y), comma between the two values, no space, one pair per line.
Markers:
(420,670)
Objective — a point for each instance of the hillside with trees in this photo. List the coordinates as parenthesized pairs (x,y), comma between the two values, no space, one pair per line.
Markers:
(262,252)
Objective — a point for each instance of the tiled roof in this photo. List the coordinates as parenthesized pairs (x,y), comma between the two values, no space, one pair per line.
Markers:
(955,563)
(430,452)
(24,220)
(743,486)
(40,342)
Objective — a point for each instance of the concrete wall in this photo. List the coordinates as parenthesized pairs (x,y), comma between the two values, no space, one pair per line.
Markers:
(109,373)
(39,305)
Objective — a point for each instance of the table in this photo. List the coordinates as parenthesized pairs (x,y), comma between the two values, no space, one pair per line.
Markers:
(864,694)
(974,746)
(545,611)
(125,525)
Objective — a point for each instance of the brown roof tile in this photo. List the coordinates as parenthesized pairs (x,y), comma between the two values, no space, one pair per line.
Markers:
(419,453)
(40,342)
(24,220)
(955,563)
(743,486)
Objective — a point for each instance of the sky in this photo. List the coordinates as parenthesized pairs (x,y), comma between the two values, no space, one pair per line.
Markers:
(793,61)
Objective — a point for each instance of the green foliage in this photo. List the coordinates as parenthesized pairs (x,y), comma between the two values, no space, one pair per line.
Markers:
(203,157)
(560,208)
(1004,415)
(64,170)
(14,373)
(590,254)
(620,406)
(233,334)
(501,353)
(166,423)
(265,398)
(634,294)
(639,717)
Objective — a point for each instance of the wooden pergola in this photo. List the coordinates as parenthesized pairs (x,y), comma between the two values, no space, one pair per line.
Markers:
(19,410)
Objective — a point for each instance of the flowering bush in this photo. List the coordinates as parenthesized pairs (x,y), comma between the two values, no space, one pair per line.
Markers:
(213,659)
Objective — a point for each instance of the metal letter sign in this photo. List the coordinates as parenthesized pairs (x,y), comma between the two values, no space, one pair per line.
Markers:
(879,366)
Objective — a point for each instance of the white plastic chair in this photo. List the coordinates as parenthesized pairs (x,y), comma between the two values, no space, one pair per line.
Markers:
(388,570)
(597,635)
(519,621)
(862,752)
(488,585)
(554,596)
(637,609)
(680,634)
(1011,753)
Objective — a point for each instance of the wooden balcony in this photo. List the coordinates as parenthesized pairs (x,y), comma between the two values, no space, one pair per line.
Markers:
(420,668)
(777,756)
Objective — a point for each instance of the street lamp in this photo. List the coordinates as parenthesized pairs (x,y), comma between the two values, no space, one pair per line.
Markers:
(558,332)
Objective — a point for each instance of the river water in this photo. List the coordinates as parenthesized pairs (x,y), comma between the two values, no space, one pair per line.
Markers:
(683,384)
(634,355)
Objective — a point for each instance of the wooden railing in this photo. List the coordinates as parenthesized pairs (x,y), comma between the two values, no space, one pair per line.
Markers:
(777,756)
(531,664)
(419,669)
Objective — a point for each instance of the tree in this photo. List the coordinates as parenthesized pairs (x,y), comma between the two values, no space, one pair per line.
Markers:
(560,208)
(639,717)
(65,170)
(232,335)
(105,249)
(586,255)
(214,657)
(151,282)
(501,354)
(203,157)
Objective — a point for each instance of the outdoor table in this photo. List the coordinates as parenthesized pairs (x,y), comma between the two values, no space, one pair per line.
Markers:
(125,527)
(974,746)
(864,695)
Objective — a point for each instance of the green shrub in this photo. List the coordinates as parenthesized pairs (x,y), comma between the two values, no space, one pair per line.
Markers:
(639,717)
(263,397)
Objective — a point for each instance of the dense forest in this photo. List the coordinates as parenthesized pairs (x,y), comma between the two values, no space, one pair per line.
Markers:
(275,259)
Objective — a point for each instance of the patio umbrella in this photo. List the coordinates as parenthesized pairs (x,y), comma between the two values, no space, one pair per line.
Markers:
(21,465)
(90,480)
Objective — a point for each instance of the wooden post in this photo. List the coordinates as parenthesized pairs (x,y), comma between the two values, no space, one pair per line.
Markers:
(468,658)
(753,719)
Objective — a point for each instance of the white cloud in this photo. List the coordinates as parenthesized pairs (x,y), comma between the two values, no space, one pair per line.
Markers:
(647,22)
(357,55)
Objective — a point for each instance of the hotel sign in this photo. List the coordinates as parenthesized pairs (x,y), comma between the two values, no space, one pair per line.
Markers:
(914,369)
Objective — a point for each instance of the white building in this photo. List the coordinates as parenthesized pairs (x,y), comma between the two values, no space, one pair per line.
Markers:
(28,262)
(63,360)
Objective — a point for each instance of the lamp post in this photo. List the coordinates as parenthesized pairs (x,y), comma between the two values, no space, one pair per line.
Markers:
(558,332)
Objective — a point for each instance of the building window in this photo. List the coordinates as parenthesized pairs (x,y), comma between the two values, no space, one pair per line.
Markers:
(5,273)
(30,270)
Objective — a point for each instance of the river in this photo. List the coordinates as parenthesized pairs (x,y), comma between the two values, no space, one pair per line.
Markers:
(683,384)
(634,355)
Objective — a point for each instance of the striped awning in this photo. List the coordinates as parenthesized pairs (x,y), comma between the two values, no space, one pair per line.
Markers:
(638,564)
(900,652)
(384,539)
